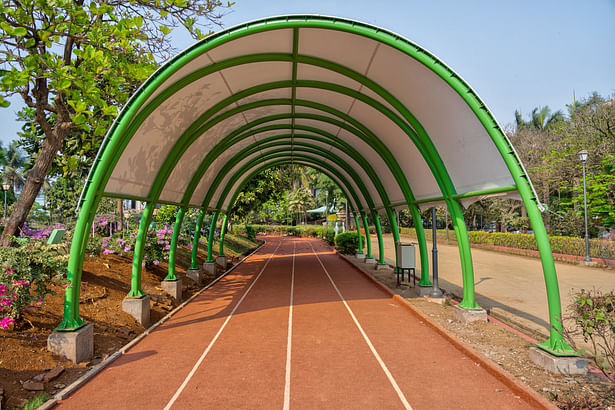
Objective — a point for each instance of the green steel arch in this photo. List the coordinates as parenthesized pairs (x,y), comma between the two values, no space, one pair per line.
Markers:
(161,86)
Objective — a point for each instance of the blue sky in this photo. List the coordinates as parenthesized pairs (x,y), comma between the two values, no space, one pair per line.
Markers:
(515,55)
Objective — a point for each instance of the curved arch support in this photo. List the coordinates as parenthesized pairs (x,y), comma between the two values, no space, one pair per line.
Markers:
(367,236)
(195,241)
(222,233)
(179,219)
(376,218)
(356,221)
(210,240)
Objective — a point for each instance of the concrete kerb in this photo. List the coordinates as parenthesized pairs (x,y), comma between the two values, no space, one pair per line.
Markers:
(502,375)
(70,389)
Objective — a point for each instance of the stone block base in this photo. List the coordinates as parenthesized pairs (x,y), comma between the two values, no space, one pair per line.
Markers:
(76,346)
(423,290)
(369,261)
(137,308)
(360,256)
(222,261)
(210,269)
(383,266)
(468,316)
(173,288)
(196,275)
(556,364)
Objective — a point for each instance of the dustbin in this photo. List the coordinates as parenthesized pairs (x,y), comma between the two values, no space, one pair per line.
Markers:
(406,260)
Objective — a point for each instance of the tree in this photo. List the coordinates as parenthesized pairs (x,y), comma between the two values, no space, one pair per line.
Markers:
(14,161)
(300,200)
(74,62)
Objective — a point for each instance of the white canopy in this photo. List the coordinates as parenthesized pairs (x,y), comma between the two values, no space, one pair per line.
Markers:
(389,121)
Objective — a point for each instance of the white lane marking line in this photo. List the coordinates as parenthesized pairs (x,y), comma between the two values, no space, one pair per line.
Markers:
(369,343)
(198,363)
(290,333)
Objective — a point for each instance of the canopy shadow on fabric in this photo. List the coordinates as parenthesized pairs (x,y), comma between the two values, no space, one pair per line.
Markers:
(391,123)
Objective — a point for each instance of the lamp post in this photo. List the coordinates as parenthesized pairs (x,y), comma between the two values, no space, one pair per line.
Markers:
(583,157)
(326,213)
(5,188)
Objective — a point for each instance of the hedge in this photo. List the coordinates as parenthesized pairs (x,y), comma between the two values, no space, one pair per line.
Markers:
(314,231)
(567,245)
(559,244)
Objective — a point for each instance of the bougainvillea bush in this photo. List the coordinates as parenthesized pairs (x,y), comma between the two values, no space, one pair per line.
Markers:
(157,245)
(28,273)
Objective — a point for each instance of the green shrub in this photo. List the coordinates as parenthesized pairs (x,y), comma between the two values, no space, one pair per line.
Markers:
(250,232)
(347,243)
(330,237)
(27,275)
(593,315)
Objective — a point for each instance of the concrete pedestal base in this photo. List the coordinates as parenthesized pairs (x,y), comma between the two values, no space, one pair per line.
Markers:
(423,290)
(382,266)
(196,275)
(77,346)
(556,364)
(468,316)
(173,288)
(210,269)
(137,308)
(222,261)
(360,256)
(369,261)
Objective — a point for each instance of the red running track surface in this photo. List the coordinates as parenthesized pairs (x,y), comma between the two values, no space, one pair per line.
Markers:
(349,343)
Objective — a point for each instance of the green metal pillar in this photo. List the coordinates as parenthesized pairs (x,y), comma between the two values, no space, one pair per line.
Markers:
(356,221)
(210,240)
(463,242)
(179,219)
(394,231)
(420,237)
(367,238)
(135,283)
(222,233)
(380,241)
(555,343)
(194,264)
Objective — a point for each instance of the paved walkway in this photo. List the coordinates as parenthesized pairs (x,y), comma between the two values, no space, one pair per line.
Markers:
(296,326)
(510,282)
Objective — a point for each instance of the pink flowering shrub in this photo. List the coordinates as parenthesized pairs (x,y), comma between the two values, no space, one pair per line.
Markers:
(39,233)
(27,275)
(156,249)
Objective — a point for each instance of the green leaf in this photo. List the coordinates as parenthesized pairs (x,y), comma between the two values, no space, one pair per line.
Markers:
(165,30)
(4,103)
(109,110)
(20,31)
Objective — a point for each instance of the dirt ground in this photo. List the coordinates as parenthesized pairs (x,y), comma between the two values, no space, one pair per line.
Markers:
(105,283)
(511,352)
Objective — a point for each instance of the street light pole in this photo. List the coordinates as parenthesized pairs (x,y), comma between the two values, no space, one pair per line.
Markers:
(583,157)
(5,188)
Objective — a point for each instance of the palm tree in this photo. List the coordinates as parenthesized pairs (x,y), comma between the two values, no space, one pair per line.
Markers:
(14,162)
(300,200)
(540,119)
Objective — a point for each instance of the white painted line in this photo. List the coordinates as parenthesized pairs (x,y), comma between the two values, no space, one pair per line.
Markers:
(290,333)
(369,343)
(198,363)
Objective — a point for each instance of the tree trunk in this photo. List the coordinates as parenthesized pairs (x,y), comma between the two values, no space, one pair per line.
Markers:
(120,215)
(35,178)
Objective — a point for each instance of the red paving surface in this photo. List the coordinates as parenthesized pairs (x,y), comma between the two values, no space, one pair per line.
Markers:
(201,358)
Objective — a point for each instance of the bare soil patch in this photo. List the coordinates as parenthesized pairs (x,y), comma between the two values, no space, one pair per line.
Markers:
(105,282)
